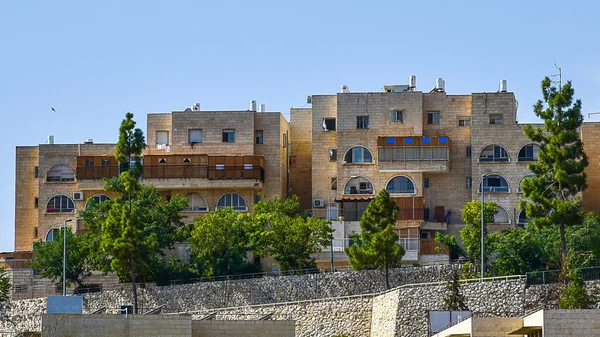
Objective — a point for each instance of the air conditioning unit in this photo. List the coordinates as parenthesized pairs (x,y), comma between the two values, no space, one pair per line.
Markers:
(338,249)
(77,195)
(318,203)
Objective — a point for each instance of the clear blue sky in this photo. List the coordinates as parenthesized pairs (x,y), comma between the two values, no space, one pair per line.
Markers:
(94,61)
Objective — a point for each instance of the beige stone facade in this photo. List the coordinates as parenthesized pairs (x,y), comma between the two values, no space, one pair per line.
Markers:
(481,137)
(188,154)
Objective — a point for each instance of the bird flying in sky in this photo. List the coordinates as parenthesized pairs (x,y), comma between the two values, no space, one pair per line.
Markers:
(53,109)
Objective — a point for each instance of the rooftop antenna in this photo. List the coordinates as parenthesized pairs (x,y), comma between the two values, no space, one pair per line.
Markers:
(559,75)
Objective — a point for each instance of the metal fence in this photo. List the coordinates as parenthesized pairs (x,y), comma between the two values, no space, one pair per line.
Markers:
(553,276)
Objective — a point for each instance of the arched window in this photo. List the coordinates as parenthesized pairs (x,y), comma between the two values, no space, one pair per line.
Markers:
(494,183)
(399,185)
(493,153)
(358,155)
(530,175)
(523,219)
(196,203)
(529,152)
(53,232)
(233,200)
(60,204)
(98,199)
(501,216)
(358,185)
(61,173)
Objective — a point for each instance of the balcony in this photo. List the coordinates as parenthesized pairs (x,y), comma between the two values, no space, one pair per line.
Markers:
(413,154)
(411,209)
(176,168)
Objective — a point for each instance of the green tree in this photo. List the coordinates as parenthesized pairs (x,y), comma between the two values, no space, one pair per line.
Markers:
(48,259)
(5,286)
(132,229)
(291,237)
(575,296)
(522,250)
(471,233)
(552,195)
(454,299)
(377,244)
(219,242)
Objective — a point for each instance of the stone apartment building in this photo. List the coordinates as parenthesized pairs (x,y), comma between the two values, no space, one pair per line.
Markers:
(215,158)
(430,150)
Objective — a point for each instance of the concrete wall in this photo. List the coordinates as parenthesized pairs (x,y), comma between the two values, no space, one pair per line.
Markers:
(562,323)
(59,325)
(212,328)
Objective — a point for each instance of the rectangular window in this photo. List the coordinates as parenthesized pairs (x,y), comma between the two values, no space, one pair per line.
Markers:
(332,154)
(259,136)
(362,122)
(162,137)
(464,121)
(195,136)
(35,232)
(220,167)
(496,119)
(36,202)
(248,166)
(333,183)
(285,140)
(426,214)
(469,183)
(426,183)
(228,136)
(36,172)
(89,162)
(329,124)
(433,118)
(397,117)
(105,162)
(469,149)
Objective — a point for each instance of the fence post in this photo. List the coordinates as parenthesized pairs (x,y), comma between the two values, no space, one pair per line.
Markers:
(544,277)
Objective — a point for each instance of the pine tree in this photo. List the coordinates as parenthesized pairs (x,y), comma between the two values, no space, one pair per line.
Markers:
(377,245)
(559,171)
(454,299)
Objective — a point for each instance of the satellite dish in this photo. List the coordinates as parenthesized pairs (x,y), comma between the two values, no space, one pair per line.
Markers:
(188,110)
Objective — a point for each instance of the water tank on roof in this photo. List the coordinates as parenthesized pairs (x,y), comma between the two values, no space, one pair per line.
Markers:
(412,82)
(344,88)
(503,86)
(51,139)
(263,107)
(253,105)
(440,84)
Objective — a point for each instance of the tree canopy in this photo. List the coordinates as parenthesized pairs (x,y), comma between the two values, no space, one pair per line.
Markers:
(377,244)
(291,237)
(552,194)
(48,260)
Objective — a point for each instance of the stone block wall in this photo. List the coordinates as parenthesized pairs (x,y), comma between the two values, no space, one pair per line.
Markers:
(301,152)
(449,189)
(212,328)
(509,135)
(59,325)
(590,135)
(327,317)
(26,191)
